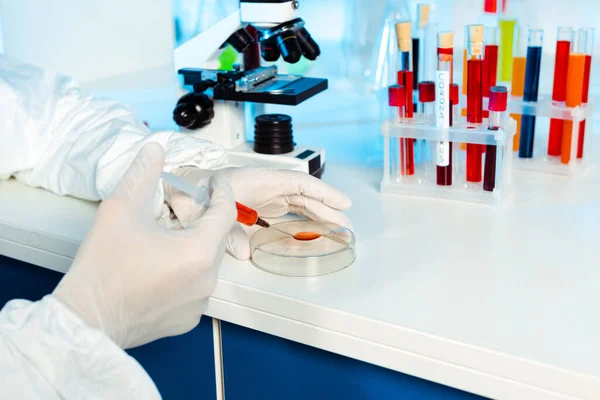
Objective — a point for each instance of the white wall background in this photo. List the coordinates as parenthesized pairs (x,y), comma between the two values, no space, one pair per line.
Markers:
(90,40)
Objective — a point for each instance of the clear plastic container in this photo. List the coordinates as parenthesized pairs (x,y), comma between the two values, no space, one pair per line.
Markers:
(581,142)
(423,182)
(275,249)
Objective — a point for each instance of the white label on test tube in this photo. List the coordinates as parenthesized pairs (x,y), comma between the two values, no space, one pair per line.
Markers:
(442,114)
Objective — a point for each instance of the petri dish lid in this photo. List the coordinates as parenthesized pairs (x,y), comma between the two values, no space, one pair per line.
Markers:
(275,249)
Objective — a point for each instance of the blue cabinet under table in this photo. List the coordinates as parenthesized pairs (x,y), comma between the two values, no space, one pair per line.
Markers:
(182,367)
(261,366)
(256,365)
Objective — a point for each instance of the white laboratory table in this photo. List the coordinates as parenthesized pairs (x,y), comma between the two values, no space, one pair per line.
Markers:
(498,302)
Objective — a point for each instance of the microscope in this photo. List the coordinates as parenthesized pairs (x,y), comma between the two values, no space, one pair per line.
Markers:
(220,104)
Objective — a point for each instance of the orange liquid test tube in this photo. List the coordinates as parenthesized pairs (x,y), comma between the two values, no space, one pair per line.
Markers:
(518,76)
(574,91)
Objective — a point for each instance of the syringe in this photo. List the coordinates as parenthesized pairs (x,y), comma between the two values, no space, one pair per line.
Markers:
(245,215)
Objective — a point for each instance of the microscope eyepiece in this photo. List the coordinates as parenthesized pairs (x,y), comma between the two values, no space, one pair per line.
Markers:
(289,47)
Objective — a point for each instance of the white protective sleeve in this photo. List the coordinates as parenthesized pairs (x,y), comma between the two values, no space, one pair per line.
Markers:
(55,137)
(48,352)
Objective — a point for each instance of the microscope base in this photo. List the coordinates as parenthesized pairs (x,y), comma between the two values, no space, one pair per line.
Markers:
(310,160)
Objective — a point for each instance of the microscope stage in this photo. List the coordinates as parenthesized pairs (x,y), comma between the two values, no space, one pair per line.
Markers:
(277,91)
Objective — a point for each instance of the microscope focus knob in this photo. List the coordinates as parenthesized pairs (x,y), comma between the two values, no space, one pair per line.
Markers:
(194,111)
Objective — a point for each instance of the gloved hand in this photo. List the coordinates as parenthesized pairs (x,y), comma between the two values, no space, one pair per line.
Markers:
(273,193)
(136,280)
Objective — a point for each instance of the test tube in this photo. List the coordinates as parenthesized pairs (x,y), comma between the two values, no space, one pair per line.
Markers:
(444,109)
(507,31)
(474,98)
(518,75)
(564,37)
(454,103)
(397,103)
(464,77)
(445,51)
(419,45)
(589,48)
(490,6)
(427,99)
(490,60)
(474,74)
(498,100)
(405,78)
(575,77)
(530,92)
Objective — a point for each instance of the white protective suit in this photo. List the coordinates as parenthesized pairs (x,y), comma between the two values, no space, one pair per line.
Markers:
(53,136)
(133,281)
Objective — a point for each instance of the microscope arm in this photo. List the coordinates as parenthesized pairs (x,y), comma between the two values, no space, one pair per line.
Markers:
(205,47)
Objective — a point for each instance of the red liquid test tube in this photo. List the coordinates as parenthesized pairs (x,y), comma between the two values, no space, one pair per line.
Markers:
(443,111)
(454,103)
(397,101)
(498,100)
(490,6)
(474,98)
(588,50)
(427,99)
(490,60)
(564,37)
(405,78)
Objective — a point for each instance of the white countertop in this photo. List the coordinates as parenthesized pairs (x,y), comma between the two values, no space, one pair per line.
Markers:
(499,302)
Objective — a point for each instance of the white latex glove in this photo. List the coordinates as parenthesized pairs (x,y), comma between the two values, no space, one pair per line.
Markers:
(136,280)
(273,193)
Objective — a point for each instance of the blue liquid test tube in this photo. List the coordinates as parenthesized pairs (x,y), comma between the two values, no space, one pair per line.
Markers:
(530,93)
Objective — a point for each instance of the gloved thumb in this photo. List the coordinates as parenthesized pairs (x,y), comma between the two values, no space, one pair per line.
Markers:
(238,243)
(139,184)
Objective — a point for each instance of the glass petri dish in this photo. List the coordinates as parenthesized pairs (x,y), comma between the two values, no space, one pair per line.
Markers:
(275,249)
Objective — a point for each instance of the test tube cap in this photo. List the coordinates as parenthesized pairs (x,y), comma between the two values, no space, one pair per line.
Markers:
(426,91)
(475,33)
(498,98)
(454,93)
(404,35)
(423,11)
(446,40)
(397,96)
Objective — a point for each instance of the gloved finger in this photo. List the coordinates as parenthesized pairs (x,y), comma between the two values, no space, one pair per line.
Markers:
(138,185)
(220,215)
(238,243)
(317,211)
(298,183)
(185,208)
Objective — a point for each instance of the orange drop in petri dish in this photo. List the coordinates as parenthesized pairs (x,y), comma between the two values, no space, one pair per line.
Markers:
(307,236)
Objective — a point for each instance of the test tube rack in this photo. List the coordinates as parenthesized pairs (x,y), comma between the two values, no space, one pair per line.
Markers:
(423,182)
(546,110)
